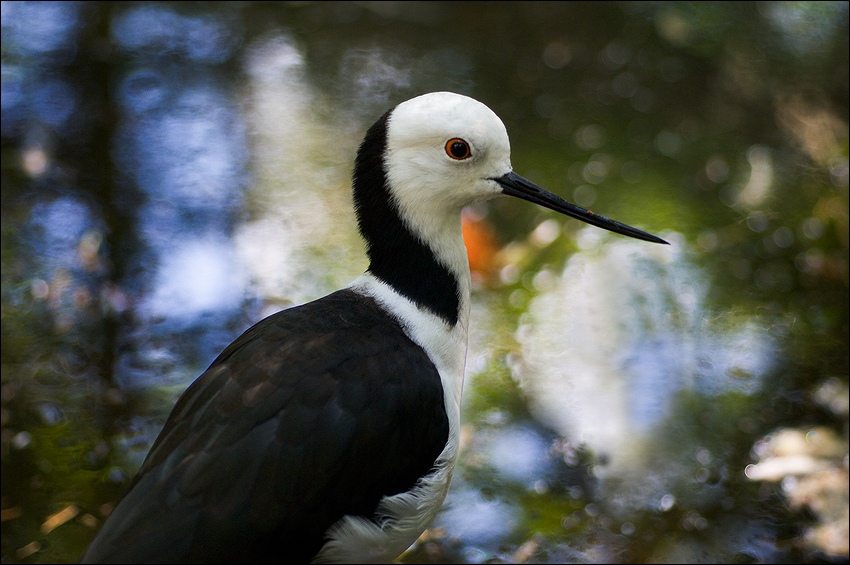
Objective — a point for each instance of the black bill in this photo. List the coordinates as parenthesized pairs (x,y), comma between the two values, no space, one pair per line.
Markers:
(515,185)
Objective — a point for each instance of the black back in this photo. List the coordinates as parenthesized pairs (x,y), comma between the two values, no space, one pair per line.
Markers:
(314,413)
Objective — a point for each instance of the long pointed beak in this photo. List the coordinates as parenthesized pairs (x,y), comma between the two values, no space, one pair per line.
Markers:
(514,185)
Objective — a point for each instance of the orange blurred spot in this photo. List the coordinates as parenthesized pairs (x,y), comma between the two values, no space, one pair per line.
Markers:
(59,518)
(28,549)
(11,513)
(90,521)
(482,246)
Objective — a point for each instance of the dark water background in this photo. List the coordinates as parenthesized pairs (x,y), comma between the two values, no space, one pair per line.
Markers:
(172,172)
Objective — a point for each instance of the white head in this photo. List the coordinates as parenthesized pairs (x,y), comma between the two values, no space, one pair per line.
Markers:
(436,153)
(444,151)
(426,159)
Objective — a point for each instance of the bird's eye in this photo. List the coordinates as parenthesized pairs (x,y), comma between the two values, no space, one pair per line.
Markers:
(458,149)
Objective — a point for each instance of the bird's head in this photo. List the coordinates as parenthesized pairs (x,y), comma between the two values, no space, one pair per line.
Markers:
(436,153)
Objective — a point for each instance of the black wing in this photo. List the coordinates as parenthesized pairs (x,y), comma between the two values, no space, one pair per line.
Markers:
(314,413)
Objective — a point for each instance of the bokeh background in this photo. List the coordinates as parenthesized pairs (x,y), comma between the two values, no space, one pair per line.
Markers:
(173,172)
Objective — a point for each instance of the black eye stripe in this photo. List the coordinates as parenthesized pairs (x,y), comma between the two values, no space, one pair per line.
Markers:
(458,149)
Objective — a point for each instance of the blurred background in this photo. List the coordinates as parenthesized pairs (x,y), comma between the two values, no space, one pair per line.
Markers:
(173,172)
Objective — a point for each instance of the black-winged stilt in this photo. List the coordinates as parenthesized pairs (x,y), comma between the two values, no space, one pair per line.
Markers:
(329,432)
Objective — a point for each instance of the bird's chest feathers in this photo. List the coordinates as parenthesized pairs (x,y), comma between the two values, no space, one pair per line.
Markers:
(445,344)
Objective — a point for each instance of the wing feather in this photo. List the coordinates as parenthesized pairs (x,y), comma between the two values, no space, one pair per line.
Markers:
(314,413)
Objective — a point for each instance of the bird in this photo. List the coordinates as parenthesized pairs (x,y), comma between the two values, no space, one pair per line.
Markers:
(328,432)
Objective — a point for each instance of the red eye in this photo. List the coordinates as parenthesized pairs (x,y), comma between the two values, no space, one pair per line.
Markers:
(458,149)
